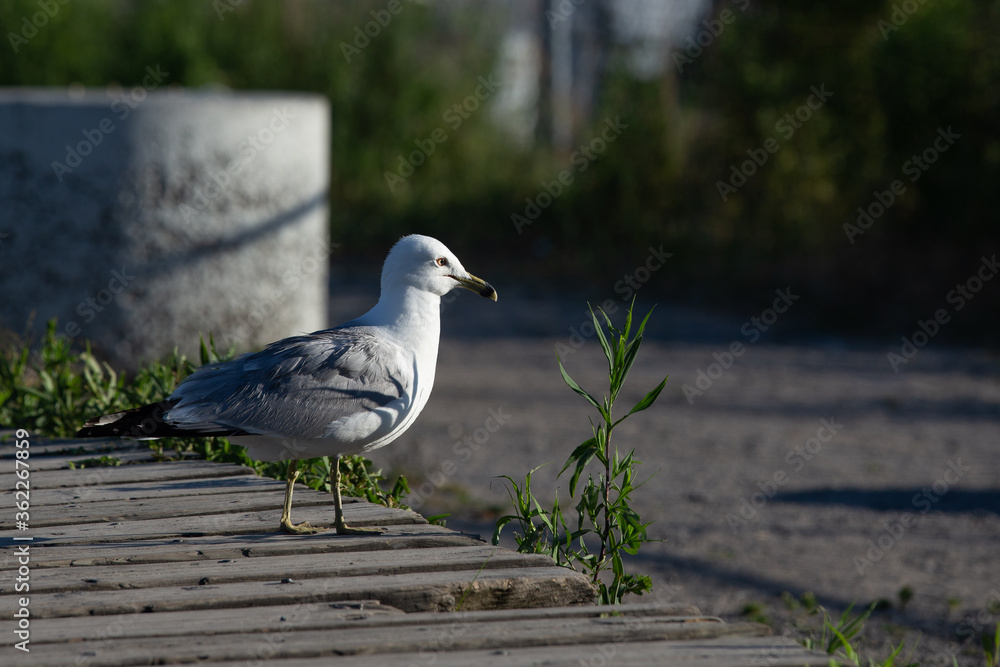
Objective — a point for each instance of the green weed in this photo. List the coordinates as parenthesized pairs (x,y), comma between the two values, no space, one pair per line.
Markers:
(603,511)
(839,639)
(991,647)
(905,595)
(102,462)
(836,639)
(754,611)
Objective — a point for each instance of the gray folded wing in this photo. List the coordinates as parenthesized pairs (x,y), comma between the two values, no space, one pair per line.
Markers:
(296,387)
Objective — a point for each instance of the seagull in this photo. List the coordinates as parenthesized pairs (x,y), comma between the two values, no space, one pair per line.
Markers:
(345,390)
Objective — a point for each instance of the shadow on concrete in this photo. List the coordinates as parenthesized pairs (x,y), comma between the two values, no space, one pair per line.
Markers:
(198,252)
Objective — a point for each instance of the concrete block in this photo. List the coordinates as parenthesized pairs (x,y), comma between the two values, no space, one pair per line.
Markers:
(143,218)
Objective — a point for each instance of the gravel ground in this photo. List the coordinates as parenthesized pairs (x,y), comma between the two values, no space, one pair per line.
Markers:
(803,467)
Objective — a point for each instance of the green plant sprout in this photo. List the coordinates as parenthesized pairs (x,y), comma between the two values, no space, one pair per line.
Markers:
(836,640)
(603,510)
(991,647)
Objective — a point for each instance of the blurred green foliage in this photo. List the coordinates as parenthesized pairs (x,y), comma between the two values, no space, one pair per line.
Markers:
(658,183)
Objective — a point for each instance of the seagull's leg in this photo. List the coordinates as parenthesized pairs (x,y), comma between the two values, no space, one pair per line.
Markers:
(338,506)
(286,513)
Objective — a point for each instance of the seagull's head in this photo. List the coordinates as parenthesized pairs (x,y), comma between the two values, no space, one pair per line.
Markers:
(426,264)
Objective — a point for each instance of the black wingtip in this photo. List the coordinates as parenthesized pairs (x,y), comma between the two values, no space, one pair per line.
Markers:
(146,423)
(143,422)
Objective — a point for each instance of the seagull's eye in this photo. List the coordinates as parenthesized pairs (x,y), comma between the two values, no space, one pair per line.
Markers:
(441,261)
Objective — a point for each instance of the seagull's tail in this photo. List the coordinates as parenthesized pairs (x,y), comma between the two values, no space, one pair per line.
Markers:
(145,423)
(139,423)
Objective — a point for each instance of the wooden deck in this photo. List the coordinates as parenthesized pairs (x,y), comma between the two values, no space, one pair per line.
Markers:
(131,565)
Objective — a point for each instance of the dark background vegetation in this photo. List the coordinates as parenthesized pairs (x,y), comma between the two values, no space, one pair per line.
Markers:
(657,183)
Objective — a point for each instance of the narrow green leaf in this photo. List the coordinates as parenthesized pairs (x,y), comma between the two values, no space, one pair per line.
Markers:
(31,391)
(580,465)
(642,327)
(544,517)
(648,399)
(602,338)
(578,389)
(580,450)
(618,378)
(518,501)
(622,466)
(631,350)
(501,522)
(628,318)
(203,349)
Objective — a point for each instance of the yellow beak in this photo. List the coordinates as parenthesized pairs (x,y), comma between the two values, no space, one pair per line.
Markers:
(477,285)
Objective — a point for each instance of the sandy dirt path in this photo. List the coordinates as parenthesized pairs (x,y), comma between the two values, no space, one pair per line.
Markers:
(803,467)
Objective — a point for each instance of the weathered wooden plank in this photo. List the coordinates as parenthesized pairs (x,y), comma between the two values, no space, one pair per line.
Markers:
(276,568)
(162,489)
(359,513)
(86,460)
(439,638)
(137,509)
(431,640)
(219,547)
(67,446)
(151,472)
(717,652)
(42,449)
(431,591)
(332,616)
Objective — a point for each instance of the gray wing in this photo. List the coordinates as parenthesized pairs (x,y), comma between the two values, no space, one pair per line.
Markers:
(295,387)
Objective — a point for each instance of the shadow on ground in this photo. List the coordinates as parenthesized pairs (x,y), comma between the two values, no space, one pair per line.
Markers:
(923,500)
